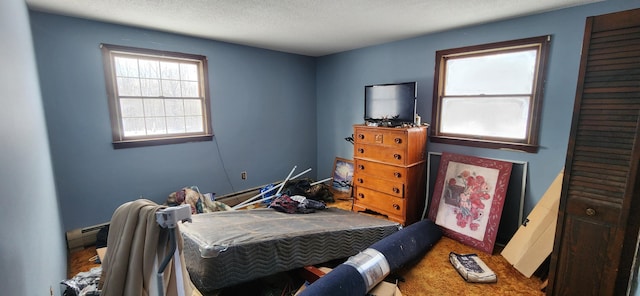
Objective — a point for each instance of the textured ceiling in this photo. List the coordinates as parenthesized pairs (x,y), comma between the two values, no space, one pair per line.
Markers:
(307,27)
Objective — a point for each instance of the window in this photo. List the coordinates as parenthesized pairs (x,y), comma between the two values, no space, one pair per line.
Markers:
(156,97)
(490,95)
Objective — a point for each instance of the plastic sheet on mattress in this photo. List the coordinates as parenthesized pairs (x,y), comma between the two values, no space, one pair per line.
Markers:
(225,248)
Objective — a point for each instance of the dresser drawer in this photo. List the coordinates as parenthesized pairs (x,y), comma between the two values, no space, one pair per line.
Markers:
(394,188)
(383,137)
(382,154)
(379,202)
(381,170)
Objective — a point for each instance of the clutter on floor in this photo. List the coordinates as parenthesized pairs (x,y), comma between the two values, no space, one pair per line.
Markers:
(84,283)
(413,277)
(363,271)
(472,269)
(532,244)
(312,274)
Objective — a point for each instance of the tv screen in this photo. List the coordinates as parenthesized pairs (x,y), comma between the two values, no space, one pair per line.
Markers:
(395,102)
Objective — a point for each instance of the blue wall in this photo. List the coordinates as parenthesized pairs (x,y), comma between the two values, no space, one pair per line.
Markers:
(32,248)
(270,110)
(263,114)
(341,79)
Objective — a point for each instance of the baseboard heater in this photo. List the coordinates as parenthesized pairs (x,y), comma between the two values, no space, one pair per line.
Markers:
(80,238)
(233,199)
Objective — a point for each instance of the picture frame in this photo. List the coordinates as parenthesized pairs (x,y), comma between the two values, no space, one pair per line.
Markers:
(468,198)
(342,178)
(513,209)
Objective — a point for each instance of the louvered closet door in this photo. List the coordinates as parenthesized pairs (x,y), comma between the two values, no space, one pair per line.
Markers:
(598,226)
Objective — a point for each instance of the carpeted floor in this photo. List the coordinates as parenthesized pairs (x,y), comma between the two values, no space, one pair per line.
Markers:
(431,275)
(434,275)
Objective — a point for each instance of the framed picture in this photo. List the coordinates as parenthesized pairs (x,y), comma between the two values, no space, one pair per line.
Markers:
(513,209)
(468,198)
(342,178)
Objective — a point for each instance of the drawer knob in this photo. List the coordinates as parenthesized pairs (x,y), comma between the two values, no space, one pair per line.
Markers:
(398,140)
(361,195)
(361,136)
(396,206)
(397,174)
(590,212)
(397,156)
(360,180)
(360,150)
(396,190)
(361,167)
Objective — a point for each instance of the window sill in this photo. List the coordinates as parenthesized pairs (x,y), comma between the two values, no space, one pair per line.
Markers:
(159,141)
(521,147)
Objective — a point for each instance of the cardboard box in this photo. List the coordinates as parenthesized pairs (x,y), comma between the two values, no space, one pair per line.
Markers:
(533,242)
(101,252)
(385,289)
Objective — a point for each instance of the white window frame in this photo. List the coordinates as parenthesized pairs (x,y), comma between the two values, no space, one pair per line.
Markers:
(149,137)
(530,141)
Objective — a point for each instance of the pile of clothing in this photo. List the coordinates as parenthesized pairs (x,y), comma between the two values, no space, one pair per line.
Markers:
(199,203)
(296,204)
(299,196)
(83,284)
(319,192)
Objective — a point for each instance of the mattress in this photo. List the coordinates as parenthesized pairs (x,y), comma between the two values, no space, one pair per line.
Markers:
(227,248)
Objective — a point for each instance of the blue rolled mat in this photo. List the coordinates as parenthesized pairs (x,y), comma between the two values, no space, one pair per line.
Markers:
(361,272)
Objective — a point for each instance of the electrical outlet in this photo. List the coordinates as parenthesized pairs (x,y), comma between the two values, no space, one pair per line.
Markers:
(243,175)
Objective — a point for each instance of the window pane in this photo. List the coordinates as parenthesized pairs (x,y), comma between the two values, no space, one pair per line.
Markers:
(504,73)
(154,107)
(175,125)
(192,107)
(128,86)
(149,69)
(133,127)
(131,108)
(126,67)
(169,70)
(171,88)
(150,87)
(194,124)
(504,117)
(189,72)
(189,89)
(156,125)
(174,107)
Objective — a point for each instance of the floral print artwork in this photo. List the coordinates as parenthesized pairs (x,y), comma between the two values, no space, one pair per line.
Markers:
(468,198)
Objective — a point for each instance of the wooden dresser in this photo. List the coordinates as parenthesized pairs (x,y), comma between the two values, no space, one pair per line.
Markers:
(389,171)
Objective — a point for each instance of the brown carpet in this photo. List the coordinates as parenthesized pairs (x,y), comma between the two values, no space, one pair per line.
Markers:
(431,275)
(434,274)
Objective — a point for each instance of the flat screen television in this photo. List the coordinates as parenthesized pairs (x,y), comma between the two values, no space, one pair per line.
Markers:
(390,104)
